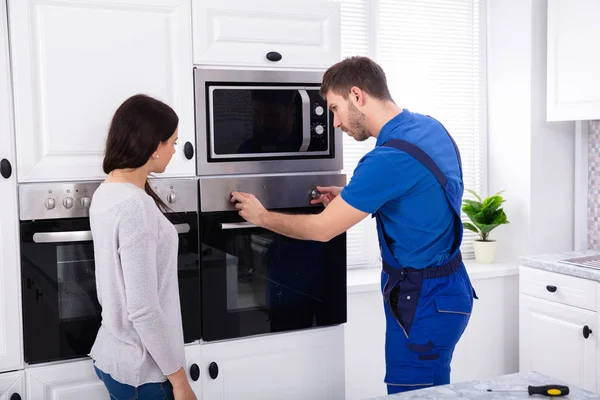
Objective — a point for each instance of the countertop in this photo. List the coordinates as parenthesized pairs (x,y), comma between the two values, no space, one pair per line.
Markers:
(550,262)
(477,389)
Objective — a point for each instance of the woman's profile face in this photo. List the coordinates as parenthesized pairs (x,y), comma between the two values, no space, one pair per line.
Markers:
(164,151)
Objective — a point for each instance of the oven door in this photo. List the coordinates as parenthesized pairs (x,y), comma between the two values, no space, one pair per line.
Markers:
(255,281)
(61,313)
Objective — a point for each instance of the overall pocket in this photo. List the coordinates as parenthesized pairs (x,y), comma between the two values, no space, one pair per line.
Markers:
(451,318)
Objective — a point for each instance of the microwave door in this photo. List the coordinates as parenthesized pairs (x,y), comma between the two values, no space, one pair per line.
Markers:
(252,122)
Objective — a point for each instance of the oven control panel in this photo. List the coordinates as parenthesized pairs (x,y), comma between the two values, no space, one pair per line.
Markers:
(54,200)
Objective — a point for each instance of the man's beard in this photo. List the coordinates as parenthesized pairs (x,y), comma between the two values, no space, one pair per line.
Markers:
(356,124)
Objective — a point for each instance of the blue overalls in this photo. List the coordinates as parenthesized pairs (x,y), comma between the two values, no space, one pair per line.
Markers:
(426,310)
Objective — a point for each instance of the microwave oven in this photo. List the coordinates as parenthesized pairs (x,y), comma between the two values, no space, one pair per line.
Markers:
(262,122)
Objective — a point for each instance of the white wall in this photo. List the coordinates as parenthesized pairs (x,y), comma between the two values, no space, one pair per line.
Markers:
(488,348)
(531,159)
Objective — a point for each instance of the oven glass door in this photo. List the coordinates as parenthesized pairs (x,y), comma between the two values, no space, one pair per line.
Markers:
(262,122)
(61,313)
(255,281)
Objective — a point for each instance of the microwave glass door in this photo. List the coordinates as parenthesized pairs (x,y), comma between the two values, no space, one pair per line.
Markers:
(249,122)
(255,281)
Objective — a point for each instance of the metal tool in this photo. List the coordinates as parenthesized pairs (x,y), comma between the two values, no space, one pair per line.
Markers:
(546,390)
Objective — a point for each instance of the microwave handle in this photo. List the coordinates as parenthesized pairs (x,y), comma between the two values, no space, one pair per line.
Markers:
(82,236)
(305,120)
(237,225)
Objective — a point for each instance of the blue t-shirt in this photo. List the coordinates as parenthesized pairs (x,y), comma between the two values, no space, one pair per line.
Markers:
(417,218)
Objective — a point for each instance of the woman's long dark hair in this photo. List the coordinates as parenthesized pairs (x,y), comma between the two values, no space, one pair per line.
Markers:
(136,129)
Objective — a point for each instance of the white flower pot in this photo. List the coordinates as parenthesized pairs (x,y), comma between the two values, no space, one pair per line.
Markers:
(485,252)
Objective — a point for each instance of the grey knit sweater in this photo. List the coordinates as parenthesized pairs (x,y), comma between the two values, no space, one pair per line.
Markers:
(135,250)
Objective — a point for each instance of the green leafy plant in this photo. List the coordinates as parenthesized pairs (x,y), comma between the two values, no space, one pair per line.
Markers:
(486,214)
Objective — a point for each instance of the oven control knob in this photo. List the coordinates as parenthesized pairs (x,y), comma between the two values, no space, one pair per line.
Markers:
(85,202)
(68,202)
(50,203)
(319,129)
(319,110)
(171,198)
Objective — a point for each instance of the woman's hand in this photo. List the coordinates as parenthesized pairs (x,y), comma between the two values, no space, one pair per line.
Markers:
(181,386)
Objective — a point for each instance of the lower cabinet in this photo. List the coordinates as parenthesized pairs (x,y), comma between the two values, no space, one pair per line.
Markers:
(299,365)
(556,338)
(68,381)
(12,386)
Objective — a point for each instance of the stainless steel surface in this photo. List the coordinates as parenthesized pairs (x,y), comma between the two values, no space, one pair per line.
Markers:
(310,79)
(59,200)
(587,262)
(56,237)
(306,122)
(237,225)
(275,192)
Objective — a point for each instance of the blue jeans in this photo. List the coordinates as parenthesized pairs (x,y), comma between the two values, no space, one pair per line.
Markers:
(121,391)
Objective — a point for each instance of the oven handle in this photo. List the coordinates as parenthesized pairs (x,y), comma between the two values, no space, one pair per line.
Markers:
(305,120)
(237,225)
(82,236)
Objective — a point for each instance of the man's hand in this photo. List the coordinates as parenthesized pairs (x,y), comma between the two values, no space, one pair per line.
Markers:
(249,207)
(328,193)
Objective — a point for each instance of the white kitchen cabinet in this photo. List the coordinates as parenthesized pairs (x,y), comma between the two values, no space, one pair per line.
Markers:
(555,337)
(12,386)
(75,62)
(243,32)
(573,91)
(193,363)
(10,283)
(299,365)
(73,380)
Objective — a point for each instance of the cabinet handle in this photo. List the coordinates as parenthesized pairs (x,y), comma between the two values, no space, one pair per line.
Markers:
(213,370)
(586,332)
(195,372)
(273,56)
(551,288)
(5,169)
(15,396)
(188,150)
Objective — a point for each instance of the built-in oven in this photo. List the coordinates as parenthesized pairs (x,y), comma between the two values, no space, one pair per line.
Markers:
(255,281)
(61,313)
(256,121)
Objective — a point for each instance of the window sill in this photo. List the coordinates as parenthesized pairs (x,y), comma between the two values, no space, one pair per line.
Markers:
(368,279)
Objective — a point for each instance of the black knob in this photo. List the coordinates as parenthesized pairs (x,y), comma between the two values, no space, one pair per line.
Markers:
(5,168)
(551,288)
(273,56)
(213,370)
(188,150)
(15,396)
(586,331)
(194,372)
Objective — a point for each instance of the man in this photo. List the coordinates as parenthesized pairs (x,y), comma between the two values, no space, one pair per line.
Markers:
(412,183)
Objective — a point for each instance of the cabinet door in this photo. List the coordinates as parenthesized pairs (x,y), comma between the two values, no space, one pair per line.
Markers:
(193,364)
(11,384)
(552,342)
(243,32)
(573,61)
(300,365)
(10,294)
(69,381)
(75,62)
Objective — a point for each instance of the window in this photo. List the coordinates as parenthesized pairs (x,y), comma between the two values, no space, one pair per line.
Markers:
(432,52)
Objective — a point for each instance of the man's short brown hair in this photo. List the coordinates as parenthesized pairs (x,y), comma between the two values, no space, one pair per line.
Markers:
(358,71)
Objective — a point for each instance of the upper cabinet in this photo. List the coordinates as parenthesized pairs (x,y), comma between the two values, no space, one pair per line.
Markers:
(267,33)
(573,60)
(10,293)
(74,62)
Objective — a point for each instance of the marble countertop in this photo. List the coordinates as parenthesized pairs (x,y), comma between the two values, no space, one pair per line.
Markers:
(477,389)
(550,262)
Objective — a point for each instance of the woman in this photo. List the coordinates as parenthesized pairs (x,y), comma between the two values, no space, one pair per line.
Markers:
(138,352)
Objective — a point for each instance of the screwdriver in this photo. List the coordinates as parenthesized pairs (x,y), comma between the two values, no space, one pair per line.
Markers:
(546,390)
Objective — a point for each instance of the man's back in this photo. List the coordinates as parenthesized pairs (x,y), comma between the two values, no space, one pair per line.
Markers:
(416,215)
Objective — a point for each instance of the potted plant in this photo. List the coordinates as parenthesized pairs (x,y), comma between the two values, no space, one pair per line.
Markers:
(485,216)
